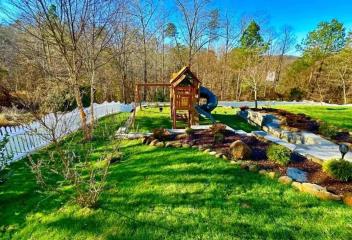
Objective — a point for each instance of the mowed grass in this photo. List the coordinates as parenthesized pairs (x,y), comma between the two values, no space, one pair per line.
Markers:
(167,193)
(337,116)
(150,118)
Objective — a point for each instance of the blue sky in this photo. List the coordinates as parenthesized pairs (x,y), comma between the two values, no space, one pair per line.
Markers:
(302,15)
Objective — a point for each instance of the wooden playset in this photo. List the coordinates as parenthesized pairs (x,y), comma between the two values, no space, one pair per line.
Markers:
(184,96)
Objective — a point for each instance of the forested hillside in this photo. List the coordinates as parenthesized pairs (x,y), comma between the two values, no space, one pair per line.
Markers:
(103,48)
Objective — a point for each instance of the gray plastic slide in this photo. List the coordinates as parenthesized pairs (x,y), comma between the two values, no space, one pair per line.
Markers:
(212,102)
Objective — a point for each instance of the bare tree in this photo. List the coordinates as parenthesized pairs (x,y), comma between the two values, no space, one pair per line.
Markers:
(195,15)
(145,12)
(98,35)
(60,26)
(285,42)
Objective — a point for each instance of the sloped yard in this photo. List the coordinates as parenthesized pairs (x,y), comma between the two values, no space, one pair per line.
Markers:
(167,193)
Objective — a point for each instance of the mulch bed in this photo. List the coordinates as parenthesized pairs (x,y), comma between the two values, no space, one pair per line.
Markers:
(259,147)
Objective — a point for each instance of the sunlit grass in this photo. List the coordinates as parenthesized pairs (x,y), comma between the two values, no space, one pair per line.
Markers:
(167,193)
(150,118)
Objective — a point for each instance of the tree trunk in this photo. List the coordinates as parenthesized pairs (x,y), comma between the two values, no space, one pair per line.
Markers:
(238,87)
(255,95)
(344,91)
(92,98)
(145,80)
(82,114)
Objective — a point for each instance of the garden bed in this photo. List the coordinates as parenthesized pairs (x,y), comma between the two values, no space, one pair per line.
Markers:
(204,140)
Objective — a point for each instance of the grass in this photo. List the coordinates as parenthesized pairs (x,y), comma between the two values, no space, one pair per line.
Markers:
(229,117)
(338,116)
(151,118)
(167,194)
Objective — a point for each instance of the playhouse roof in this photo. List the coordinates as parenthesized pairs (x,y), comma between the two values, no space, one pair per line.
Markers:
(178,77)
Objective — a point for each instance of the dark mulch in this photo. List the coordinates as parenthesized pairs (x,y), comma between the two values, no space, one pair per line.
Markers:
(205,138)
(315,173)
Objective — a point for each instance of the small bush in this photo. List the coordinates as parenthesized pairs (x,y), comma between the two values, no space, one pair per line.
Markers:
(218,128)
(339,169)
(244,108)
(161,134)
(219,138)
(5,158)
(279,154)
(328,130)
(189,131)
(296,94)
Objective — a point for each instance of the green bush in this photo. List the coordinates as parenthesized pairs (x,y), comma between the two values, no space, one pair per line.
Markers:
(5,159)
(219,138)
(279,154)
(70,103)
(218,128)
(328,130)
(339,169)
(161,134)
(189,131)
(296,94)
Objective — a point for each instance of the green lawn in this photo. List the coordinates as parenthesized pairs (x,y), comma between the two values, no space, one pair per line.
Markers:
(150,118)
(167,194)
(337,116)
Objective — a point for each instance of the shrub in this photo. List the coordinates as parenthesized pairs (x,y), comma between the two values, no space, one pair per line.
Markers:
(296,94)
(279,154)
(244,108)
(339,169)
(189,131)
(328,130)
(5,158)
(219,137)
(161,134)
(218,128)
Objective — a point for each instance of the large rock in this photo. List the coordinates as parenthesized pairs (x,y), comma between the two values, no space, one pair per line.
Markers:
(153,143)
(253,168)
(159,144)
(297,185)
(240,150)
(319,191)
(181,136)
(297,174)
(347,199)
(285,180)
(186,145)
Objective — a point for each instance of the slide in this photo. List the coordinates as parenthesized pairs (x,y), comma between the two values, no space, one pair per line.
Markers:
(212,102)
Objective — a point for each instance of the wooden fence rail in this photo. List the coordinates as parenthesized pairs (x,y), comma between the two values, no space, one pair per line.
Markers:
(26,139)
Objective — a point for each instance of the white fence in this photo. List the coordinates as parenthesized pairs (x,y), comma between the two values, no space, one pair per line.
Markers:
(26,139)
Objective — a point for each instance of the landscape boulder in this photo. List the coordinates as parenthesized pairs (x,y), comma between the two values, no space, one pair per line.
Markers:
(153,143)
(347,199)
(181,136)
(319,191)
(285,180)
(253,168)
(186,145)
(240,150)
